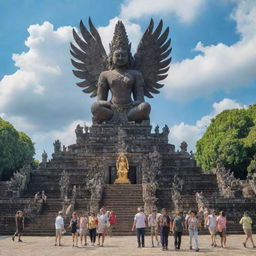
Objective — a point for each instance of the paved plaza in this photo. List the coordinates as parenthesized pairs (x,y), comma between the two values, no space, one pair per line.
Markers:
(117,246)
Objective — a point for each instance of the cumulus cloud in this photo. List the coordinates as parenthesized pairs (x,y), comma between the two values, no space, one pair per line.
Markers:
(218,67)
(42,91)
(41,98)
(191,133)
(185,10)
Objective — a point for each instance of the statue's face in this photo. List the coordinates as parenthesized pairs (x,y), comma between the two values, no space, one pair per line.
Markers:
(122,159)
(120,58)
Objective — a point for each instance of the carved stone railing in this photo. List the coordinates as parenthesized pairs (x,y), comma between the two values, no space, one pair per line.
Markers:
(151,164)
(176,190)
(33,209)
(64,184)
(95,184)
(202,202)
(68,205)
(20,180)
(229,186)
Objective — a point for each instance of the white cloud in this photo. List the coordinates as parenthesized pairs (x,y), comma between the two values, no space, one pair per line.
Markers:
(191,133)
(41,97)
(66,135)
(218,67)
(42,92)
(133,31)
(185,10)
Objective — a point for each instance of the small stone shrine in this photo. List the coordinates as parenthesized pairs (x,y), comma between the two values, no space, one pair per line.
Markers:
(119,162)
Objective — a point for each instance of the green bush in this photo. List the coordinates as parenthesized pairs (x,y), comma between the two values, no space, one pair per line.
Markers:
(16,149)
(231,137)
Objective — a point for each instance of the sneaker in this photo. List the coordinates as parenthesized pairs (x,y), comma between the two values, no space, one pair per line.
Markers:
(152,246)
(13,238)
(244,244)
(197,249)
(55,244)
(20,240)
(190,247)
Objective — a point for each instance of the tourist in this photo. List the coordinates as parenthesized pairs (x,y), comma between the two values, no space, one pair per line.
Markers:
(44,197)
(221,228)
(200,218)
(152,222)
(192,224)
(36,197)
(19,221)
(211,224)
(83,224)
(140,224)
(177,228)
(59,227)
(92,225)
(165,225)
(102,225)
(112,222)
(246,221)
(74,224)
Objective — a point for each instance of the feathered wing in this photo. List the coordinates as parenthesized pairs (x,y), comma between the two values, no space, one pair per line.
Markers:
(90,57)
(152,57)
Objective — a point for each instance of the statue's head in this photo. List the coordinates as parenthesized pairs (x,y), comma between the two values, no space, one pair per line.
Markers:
(120,48)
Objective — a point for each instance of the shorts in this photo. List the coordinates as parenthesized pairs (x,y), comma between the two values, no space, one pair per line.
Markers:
(248,231)
(58,232)
(152,230)
(83,231)
(212,230)
(222,233)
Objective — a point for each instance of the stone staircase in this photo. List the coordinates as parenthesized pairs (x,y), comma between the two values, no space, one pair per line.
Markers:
(124,200)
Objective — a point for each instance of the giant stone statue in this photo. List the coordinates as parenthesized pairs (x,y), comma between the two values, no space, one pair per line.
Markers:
(127,78)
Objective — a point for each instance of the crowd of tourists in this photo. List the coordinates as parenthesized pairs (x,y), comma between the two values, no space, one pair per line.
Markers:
(161,225)
(96,225)
(192,222)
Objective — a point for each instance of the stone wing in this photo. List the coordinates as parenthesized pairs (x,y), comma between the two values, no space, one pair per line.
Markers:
(90,57)
(152,57)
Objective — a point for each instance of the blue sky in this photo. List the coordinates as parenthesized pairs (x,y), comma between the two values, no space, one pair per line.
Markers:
(213,65)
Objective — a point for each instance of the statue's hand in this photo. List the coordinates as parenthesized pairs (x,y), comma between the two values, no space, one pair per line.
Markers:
(136,102)
(104,103)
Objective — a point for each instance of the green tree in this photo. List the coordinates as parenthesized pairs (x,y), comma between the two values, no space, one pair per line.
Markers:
(231,137)
(16,149)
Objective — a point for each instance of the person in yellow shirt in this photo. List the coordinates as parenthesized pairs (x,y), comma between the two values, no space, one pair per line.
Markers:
(92,225)
(246,221)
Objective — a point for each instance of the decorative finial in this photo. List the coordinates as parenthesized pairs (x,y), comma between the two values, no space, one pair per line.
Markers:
(120,39)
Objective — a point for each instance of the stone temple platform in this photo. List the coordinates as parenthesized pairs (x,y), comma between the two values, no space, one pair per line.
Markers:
(80,177)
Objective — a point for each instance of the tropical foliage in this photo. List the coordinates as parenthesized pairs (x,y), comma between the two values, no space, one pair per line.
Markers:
(231,138)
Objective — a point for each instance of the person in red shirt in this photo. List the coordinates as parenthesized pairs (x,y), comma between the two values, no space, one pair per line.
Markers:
(112,222)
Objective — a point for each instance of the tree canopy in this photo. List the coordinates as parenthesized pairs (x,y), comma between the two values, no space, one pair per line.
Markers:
(16,149)
(231,138)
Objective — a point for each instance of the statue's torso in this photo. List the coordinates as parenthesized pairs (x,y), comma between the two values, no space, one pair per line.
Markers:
(121,85)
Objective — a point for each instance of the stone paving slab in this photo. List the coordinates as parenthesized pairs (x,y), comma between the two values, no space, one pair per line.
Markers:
(118,246)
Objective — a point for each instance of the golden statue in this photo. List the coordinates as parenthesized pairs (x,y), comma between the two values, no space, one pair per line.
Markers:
(122,167)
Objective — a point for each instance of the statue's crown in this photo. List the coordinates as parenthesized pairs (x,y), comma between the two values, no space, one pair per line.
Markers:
(120,39)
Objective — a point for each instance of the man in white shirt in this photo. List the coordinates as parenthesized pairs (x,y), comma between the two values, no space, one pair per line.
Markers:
(211,223)
(59,226)
(140,224)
